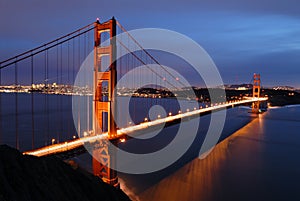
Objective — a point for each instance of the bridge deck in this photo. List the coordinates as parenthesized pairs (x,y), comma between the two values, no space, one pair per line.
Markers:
(77,143)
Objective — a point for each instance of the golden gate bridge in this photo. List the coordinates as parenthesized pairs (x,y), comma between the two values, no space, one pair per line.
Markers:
(51,69)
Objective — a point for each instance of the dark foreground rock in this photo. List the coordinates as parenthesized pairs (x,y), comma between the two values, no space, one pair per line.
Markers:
(30,178)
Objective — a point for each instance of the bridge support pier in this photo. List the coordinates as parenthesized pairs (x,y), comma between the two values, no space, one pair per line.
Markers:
(103,161)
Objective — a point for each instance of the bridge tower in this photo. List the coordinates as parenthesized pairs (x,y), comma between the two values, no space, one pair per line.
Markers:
(103,106)
(256,93)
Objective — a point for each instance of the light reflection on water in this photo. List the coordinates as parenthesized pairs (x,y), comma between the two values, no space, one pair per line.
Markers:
(258,162)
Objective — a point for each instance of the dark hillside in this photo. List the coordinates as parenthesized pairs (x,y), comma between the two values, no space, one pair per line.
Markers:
(30,178)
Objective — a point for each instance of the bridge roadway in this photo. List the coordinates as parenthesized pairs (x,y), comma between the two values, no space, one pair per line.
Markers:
(78,143)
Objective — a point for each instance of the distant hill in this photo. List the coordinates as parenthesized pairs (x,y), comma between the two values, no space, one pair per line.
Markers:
(28,178)
(281,97)
(239,86)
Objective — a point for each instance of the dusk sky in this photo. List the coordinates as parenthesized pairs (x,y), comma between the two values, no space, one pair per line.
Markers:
(242,37)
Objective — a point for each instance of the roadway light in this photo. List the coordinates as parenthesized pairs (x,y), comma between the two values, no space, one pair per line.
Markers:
(170,113)
(158,116)
(53,140)
(146,119)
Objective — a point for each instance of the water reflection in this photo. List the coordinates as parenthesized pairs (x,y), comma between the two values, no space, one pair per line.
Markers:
(204,179)
(258,162)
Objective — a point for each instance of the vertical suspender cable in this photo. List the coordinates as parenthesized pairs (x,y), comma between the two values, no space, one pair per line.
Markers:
(60,96)
(57,96)
(133,86)
(71,84)
(148,98)
(1,131)
(79,98)
(79,53)
(73,67)
(68,61)
(139,80)
(120,69)
(45,99)
(86,84)
(127,70)
(32,106)
(48,96)
(16,106)
(68,122)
